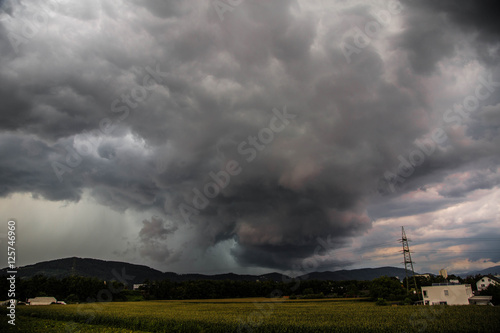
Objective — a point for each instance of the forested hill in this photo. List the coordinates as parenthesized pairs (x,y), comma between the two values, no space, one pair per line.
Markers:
(101,269)
(114,270)
(358,274)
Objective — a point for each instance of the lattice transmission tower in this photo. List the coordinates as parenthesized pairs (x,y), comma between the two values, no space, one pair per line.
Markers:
(407,261)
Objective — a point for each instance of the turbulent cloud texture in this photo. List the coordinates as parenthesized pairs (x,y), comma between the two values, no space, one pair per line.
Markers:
(261,126)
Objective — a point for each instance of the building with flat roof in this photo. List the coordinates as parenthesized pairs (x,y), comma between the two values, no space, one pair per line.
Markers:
(449,294)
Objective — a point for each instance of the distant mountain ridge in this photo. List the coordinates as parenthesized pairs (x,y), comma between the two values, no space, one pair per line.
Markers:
(495,270)
(358,274)
(115,270)
(101,269)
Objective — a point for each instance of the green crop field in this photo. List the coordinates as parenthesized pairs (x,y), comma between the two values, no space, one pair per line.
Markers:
(254,315)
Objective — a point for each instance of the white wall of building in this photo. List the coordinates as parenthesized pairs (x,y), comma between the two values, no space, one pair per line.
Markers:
(448,294)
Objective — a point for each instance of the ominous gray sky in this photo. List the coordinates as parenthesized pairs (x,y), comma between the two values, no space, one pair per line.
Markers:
(251,136)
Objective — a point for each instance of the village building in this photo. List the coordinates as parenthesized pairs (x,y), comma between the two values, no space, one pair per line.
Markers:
(427,276)
(42,301)
(485,281)
(445,293)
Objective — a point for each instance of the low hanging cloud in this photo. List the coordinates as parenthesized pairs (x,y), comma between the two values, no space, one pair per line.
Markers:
(144,104)
(153,237)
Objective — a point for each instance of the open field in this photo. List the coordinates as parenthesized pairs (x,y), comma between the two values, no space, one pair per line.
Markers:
(254,315)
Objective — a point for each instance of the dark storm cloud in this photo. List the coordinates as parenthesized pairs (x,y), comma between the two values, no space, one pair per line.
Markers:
(476,15)
(472,17)
(184,89)
(427,41)
(21,170)
(286,224)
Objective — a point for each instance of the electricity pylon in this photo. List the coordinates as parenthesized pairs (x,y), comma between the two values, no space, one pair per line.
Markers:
(407,261)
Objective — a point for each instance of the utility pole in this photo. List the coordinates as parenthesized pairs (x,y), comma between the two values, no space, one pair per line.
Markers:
(408,262)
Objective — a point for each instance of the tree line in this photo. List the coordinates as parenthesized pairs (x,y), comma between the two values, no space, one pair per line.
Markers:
(74,289)
(207,289)
(84,289)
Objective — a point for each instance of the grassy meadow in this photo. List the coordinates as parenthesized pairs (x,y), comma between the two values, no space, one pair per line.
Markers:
(253,315)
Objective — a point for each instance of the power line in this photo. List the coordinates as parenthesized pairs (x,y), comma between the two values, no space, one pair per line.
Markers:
(364,252)
(418,251)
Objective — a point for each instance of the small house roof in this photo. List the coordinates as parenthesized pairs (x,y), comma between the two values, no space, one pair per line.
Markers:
(494,278)
(478,298)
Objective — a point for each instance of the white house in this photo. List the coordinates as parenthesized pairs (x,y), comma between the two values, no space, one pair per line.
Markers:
(450,294)
(485,281)
(42,300)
